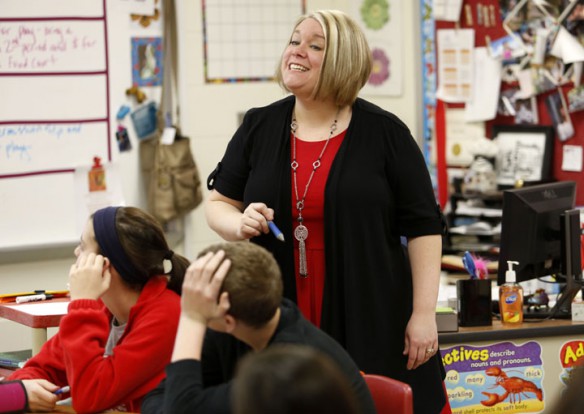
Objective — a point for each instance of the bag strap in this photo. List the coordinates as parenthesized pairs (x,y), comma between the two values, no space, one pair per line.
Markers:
(169,107)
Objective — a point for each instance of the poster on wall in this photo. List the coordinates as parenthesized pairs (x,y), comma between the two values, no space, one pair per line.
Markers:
(571,356)
(497,378)
(381,23)
(146,61)
(455,62)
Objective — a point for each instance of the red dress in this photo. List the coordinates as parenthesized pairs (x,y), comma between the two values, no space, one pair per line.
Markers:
(309,289)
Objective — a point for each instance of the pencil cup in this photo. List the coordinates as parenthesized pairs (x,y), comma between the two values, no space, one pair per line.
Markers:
(474,302)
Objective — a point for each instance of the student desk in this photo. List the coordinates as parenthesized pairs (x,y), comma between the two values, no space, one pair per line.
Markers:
(37,315)
(541,352)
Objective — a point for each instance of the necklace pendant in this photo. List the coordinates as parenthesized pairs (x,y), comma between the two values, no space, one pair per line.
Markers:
(301,233)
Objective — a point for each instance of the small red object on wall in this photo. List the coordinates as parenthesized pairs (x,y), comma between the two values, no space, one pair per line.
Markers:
(97,176)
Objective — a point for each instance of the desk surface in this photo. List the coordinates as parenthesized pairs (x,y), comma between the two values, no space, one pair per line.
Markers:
(498,331)
(43,314)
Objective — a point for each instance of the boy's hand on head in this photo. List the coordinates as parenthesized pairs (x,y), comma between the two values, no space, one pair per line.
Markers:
(200,300)
(89,277)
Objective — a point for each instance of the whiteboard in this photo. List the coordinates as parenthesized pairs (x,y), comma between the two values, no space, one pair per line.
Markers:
(54,114)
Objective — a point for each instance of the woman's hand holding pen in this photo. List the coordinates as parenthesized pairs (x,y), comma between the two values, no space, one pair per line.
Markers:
(89,277)
(254,220)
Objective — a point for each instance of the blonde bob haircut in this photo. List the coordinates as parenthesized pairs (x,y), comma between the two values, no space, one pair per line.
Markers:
(347,58)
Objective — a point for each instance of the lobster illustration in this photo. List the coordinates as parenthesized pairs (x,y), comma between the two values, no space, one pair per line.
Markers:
(514,387)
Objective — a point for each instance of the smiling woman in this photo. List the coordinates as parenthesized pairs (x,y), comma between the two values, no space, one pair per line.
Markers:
(303,58)
(299,162)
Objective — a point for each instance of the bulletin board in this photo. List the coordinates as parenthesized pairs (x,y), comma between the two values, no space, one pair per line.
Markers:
(243,39)
(54,113)
(485,33)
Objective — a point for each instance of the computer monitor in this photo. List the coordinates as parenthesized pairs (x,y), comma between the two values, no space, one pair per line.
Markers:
(537,232)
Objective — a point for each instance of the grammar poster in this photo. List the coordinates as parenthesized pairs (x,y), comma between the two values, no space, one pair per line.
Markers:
(571,356)
(497,378)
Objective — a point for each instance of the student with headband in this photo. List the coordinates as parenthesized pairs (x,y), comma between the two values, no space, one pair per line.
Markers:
(117,337)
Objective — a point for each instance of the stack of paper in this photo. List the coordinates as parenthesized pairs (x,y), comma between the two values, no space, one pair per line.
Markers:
(446,319)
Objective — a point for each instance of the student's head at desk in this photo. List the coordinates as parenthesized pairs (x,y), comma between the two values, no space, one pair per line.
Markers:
(254,288)
(572,399)
(117,336)
(289,379)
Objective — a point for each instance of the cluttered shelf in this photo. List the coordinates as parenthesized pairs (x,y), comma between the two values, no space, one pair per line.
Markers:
(474,223)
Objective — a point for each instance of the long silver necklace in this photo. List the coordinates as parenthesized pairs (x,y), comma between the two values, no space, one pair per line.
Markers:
(301,232)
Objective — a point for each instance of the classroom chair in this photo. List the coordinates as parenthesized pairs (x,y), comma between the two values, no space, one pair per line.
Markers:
(390,395)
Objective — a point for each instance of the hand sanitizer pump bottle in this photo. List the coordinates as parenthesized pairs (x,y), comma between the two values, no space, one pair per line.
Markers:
(511,298)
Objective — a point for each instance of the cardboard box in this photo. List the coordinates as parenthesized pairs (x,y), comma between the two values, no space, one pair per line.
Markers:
(446,319)
(578,311)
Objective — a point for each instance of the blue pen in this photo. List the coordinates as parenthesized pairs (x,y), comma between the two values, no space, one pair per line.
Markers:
(469,264)
(62,390)
(276,231)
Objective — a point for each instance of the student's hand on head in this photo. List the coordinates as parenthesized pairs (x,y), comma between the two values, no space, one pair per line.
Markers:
(254,220)
(89,277)
(40,394)
(200,299)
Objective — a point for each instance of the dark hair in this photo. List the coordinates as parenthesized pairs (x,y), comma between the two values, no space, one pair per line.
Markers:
(572,399)
(290,379)
(254,282)
(144,244)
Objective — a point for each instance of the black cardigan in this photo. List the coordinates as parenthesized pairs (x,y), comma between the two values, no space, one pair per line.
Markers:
(378,189)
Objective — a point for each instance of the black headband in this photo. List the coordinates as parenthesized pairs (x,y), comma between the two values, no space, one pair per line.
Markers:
(106,234)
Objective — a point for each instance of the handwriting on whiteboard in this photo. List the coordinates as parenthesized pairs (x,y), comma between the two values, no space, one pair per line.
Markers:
(52,46)
(25,147)
(54,81)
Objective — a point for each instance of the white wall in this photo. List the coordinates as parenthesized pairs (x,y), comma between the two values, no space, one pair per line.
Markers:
(209,117)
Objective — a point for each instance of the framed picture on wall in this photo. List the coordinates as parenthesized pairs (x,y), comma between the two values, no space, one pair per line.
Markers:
(147,61)
(524,155)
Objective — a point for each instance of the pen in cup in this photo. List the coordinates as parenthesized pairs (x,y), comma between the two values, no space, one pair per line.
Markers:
(469,265)
(62,390)
(276,231)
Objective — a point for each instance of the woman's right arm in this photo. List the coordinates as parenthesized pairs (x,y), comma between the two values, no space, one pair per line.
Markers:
(229,220)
